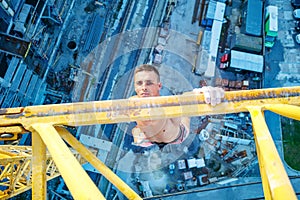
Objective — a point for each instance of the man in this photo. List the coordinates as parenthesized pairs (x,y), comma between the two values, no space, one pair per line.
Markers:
(164,131)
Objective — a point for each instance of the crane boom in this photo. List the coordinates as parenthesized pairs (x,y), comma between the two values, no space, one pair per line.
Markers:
(46,123)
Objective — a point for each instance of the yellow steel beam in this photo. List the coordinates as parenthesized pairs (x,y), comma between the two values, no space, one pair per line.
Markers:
(39,184)
(276,183)
(11,132)
(95,162)
(115,111)
(77,180)
(285,110)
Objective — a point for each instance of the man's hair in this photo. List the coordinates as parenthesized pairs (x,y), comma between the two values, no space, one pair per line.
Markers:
(147,67)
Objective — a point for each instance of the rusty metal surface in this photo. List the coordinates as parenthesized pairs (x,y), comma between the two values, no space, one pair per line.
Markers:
(114,111)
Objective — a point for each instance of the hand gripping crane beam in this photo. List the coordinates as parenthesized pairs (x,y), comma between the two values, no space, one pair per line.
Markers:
(46,123)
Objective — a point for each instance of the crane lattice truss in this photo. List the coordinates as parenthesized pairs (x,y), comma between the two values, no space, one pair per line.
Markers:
(47,125)
(16,171)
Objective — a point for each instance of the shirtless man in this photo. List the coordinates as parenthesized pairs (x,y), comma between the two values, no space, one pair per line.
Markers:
(163,131)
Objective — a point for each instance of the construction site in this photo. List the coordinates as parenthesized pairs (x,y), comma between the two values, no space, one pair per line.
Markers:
(66,114)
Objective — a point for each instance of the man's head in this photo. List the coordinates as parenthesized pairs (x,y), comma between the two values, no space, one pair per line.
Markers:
(147,81)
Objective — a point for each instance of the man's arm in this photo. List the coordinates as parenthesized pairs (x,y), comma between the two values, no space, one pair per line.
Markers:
(150,128)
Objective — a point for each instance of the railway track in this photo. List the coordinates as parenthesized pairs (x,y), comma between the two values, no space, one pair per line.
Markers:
(107,87)
(114,52)
(113,132)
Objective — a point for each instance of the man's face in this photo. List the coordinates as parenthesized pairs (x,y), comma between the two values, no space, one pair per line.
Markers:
(146,84)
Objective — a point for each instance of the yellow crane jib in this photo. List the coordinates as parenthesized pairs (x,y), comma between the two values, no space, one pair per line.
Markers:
(46,125)
(16,170)
(125,110)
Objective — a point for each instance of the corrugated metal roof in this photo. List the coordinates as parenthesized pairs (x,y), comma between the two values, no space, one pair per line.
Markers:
(215,10)
(210,13)
(254,17)
(220,10)
(246,61)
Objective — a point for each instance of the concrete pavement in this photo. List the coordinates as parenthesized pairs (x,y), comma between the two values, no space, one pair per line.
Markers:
(283,60)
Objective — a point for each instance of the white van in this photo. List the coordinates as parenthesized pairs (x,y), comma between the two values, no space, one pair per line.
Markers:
(296,13)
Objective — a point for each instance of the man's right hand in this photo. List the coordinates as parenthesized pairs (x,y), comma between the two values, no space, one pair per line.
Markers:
(212,95)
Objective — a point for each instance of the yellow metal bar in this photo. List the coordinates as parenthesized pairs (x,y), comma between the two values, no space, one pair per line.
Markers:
(115,111)
(25,170)
(11,132)
(276,183)
(8,111)
(39,184)
(285,110)
(95,162)
(77,180)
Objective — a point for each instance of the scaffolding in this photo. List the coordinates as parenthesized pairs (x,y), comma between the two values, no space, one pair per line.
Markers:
(47,123)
